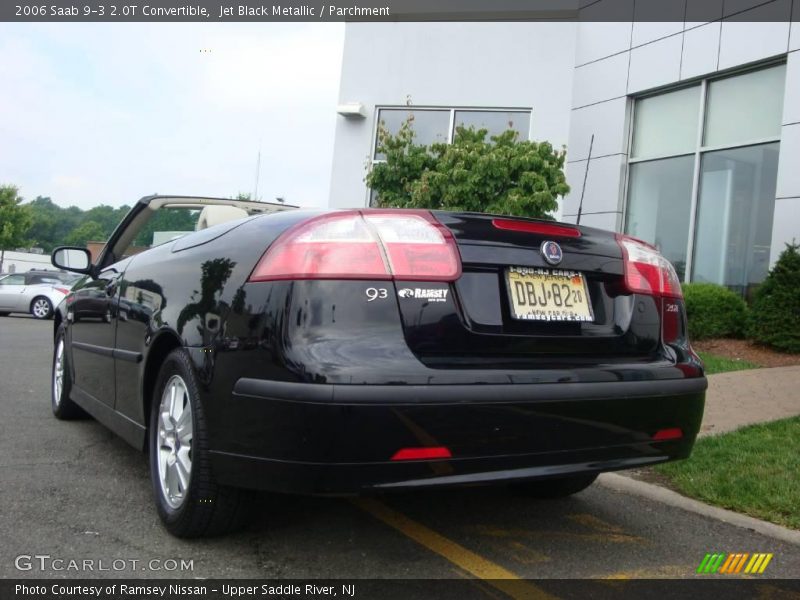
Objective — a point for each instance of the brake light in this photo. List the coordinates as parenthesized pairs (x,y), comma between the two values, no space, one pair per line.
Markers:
(646,271)
(548,229)
(422,453)
(379,244)
(61,289)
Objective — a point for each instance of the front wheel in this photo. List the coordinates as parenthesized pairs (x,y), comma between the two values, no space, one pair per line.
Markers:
(41,308)
(189,501)
(560,487)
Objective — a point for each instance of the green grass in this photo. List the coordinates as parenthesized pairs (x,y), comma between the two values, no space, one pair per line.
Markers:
(720,364)
(753,470)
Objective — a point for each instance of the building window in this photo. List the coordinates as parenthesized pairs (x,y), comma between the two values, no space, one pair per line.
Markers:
(496,121)
(734,215)
(659,206)
(436,125)
(702,175)
(430,126)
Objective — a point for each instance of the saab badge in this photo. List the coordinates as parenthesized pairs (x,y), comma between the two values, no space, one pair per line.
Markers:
(551,252)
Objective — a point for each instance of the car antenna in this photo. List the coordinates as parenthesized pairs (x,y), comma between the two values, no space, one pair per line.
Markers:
(585,177)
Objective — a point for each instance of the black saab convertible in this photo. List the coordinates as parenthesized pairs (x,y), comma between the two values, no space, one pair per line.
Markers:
(255,346)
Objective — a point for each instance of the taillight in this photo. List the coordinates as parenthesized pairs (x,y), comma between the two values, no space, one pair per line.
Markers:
(64,291)
(379,244)
(417,246)
(646,271)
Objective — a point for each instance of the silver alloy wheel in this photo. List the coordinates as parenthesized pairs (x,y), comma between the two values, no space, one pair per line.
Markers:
(58,372)
(175,442)
(41,308)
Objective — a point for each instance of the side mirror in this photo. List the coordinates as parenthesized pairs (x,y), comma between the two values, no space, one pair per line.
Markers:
(70,258)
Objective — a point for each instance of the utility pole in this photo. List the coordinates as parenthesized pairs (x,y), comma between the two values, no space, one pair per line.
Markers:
(258,172)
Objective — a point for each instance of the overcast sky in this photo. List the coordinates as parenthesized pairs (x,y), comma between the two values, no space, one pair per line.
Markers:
(106,113)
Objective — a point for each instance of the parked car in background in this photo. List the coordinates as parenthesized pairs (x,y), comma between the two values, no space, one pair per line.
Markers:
(367,350)
(34,292)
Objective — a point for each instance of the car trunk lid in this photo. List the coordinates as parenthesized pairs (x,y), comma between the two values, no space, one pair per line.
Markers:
(474,317)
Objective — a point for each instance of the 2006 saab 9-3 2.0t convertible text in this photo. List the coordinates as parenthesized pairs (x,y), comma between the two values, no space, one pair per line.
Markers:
(249,346)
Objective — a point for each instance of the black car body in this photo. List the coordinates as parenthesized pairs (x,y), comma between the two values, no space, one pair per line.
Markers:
(330,377)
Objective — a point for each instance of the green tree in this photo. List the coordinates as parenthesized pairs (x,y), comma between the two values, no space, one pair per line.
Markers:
(89,231)
(44,220)
(106,216)
(775,314)
(500,175)
(14,220)
(52,225)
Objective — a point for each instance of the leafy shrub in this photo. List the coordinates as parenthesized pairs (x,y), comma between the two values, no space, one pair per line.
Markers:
(775,315)
(714,311)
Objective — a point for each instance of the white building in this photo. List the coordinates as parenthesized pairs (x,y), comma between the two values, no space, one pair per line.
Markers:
(696,124)
(19,262)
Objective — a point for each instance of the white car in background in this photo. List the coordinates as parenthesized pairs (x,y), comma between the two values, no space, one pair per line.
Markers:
(34,292)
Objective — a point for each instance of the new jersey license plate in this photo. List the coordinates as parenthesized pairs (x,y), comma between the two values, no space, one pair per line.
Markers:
(548,294)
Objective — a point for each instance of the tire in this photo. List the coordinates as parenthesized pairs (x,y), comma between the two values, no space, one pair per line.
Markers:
(42,308)
(4,314)
(189,501)
(554,488)
(61,382)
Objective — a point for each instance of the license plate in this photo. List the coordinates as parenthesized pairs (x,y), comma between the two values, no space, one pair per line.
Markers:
(548,295)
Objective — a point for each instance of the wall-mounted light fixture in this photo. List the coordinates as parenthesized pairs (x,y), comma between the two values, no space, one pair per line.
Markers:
(352,110)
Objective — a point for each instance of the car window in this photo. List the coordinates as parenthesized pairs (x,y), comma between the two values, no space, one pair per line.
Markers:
(38,279)
(60,277)
(13,280)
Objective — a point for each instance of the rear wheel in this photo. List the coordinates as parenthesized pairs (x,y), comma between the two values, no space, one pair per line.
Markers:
(4,314)
(554,488)
(188,499)
(61,382)
(41,308)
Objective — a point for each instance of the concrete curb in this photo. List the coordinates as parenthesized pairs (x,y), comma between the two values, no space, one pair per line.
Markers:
(665,496)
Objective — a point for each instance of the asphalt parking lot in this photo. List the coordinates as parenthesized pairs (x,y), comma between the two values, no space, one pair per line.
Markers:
(72,490)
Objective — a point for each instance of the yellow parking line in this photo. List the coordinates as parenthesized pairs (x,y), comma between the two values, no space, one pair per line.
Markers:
(477,566)
(595,523)
(617,538)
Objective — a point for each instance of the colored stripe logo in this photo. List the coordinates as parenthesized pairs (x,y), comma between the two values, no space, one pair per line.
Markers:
(728,564)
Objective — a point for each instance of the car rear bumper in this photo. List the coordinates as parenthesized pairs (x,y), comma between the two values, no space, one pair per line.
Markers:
(330,438)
